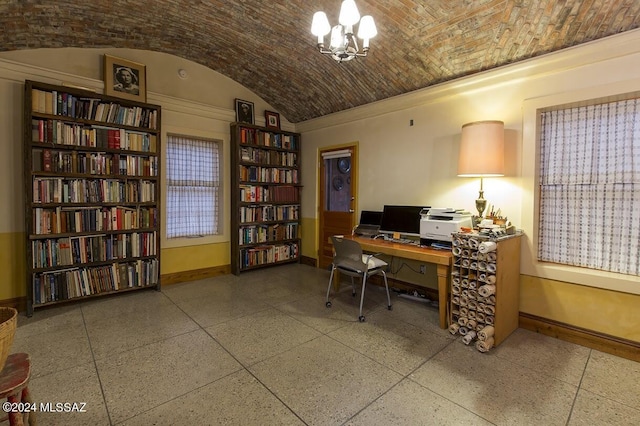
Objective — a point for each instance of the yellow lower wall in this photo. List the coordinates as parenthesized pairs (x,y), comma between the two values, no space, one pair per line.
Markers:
(309,233)
(12,257)
(190,258)
(595,309)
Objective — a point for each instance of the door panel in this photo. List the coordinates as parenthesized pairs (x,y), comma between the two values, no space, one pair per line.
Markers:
(337,198)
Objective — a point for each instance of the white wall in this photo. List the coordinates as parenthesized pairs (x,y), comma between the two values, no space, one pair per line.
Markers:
(403,164)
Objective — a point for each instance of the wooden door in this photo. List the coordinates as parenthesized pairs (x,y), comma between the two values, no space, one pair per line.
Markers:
(337,197)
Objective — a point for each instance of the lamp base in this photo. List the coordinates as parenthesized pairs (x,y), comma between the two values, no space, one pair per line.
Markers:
(481,205)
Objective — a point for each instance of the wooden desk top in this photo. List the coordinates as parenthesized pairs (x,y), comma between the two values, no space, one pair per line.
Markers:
(406,251)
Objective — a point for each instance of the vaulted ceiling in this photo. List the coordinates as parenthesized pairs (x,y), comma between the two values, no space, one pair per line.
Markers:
(267,46)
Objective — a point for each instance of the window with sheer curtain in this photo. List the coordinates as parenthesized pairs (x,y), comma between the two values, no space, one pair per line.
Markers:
(590,186)
(193,183)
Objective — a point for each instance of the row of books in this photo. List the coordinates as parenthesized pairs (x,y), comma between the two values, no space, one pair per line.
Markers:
(78,282)
(264,255)
(61,133)
(251,136)
(59,190)
(61,220)
(265,233)
(77,250)
(276,158)
(95,163)
(68,105)
(265,213)
(273,194)
(268,174)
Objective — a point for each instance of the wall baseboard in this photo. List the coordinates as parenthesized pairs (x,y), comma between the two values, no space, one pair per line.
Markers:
(591,339)
(310,261)
(20,303)
(196,274)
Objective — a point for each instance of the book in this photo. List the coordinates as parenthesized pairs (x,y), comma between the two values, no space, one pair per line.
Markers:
(36,160)
(48,103)
(116,139)
(46,160)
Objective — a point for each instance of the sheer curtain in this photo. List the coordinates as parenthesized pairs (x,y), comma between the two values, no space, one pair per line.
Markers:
(590,187)
(193,181)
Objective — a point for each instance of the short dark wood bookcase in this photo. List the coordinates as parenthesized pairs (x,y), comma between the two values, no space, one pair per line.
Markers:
(92,192)
(265,197)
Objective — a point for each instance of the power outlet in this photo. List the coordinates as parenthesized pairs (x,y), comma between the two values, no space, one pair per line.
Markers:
(423,269)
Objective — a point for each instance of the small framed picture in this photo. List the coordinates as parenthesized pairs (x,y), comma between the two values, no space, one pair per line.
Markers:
(244,111)
(125,79)
(272,119)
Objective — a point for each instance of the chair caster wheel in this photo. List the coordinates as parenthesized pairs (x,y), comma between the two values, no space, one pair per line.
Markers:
(328,304)
(361,318)
(353,294)
(390,307)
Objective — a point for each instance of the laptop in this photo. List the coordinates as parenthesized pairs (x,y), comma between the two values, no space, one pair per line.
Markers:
(369,225)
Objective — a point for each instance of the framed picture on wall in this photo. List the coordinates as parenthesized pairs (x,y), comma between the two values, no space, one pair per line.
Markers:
(244,111)
(125,79)
(272,119)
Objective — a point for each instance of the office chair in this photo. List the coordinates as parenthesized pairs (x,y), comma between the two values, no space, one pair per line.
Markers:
(349,260)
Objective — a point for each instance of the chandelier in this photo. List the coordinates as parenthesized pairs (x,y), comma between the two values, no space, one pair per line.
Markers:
(344,46)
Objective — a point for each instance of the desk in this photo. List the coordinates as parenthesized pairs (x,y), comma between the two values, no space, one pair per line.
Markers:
(441,258)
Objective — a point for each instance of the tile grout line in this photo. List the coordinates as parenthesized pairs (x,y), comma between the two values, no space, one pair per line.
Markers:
(436,393)
(244,367)
(575,397)
(95,366)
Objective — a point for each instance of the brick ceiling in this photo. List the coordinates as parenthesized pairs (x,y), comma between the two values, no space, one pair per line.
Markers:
(267,46)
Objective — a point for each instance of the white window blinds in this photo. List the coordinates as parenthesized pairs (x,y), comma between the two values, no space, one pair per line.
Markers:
(590,187)
(193,182)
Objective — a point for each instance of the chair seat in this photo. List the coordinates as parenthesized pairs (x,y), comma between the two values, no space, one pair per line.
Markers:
(373,262)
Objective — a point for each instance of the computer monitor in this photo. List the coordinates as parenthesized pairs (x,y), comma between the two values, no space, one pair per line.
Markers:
(401,219)
(368,217)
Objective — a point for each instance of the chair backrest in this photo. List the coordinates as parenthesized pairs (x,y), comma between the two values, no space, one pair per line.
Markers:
(348,255)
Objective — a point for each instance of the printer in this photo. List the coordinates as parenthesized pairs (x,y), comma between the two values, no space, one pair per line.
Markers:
(439,223)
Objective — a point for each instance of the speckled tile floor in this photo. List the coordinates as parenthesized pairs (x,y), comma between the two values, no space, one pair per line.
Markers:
(262,349)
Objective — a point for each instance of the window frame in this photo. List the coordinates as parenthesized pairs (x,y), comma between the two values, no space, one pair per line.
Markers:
(570,174)
(223,196)
(531,129)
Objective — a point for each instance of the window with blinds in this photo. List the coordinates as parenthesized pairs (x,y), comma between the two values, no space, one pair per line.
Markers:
(193,186)
(590,186)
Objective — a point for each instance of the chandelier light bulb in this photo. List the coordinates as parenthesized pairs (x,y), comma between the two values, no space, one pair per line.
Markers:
(349,14)
(367,28)
(320,25)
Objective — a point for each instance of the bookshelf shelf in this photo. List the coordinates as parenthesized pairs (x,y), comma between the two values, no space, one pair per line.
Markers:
(92,194)
(265,200)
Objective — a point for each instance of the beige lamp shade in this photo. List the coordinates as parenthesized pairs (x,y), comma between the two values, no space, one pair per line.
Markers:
(482,149)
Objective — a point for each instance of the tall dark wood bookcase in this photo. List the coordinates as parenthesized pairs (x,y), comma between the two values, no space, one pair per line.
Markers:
(265,197)
(92,191)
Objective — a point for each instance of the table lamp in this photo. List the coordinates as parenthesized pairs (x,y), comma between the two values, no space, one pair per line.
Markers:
(482,154)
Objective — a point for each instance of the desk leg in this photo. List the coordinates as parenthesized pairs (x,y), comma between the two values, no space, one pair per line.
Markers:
(443,290)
